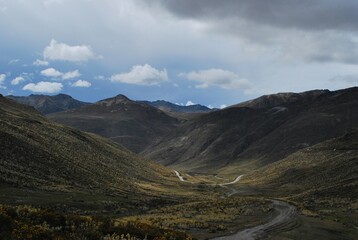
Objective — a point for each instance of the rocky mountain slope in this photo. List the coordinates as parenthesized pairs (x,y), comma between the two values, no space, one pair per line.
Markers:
(49,104)
(258,132)
(132,124)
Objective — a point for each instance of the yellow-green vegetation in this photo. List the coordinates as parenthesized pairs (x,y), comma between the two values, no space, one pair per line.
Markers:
(25,222)
(48,159)
(205,219)
(38,153)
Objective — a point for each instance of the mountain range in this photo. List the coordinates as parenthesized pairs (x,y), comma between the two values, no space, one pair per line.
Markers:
(300,148)
(49,104)
(258,132)
(179,111)
(133,124)
(246,135)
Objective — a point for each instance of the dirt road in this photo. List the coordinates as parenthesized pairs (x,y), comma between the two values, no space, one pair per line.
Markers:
(286,215)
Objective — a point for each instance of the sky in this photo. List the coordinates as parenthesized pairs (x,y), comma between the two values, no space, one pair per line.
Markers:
(215,53)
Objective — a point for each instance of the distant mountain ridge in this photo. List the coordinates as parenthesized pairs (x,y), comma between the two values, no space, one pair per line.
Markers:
(49,104)
(274,100)
(180,112)
(171,107)
(130,123)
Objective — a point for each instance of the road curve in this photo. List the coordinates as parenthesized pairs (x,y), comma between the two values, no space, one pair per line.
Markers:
(286,215)
(233,182)
(179,176)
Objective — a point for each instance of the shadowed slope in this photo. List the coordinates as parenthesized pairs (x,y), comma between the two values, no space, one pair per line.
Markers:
(134,125)
(258,134)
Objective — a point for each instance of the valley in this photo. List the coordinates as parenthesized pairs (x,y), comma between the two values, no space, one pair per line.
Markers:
(282,166)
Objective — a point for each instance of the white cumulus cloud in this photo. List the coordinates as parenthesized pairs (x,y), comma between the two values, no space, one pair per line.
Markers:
(81,83)
(2,81)
(2,78)
(44,87)
(142,75)
(217,77)
(39,62)
(70,75)
(61,51)
(51,72)
(17,80)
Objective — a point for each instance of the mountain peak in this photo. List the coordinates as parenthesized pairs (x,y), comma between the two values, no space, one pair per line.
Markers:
(49,104)
(122,97)
(64,96)
(119,99)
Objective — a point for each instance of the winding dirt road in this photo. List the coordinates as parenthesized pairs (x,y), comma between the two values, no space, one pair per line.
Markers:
(286,215)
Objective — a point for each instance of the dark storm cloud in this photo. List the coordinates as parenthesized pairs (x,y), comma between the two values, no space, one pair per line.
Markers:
(300,14)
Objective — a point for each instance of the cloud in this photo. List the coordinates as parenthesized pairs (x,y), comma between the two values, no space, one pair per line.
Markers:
(223,106)
(70,75)
(217,77)
(99,77)
(299,14)
(39,62)
(44,87)
(51,72)
(2,78)
(81,83)
(61,51)
(17,80)
(322,31)
(142,75)
(189,103)
(48,3)
(351,78)
(13,61)
(2,81)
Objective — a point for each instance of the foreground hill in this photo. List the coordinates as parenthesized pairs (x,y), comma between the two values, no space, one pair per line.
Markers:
(49,104)
(330,165)
(322,179)
(258,132)
(132,124)
(38,154)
